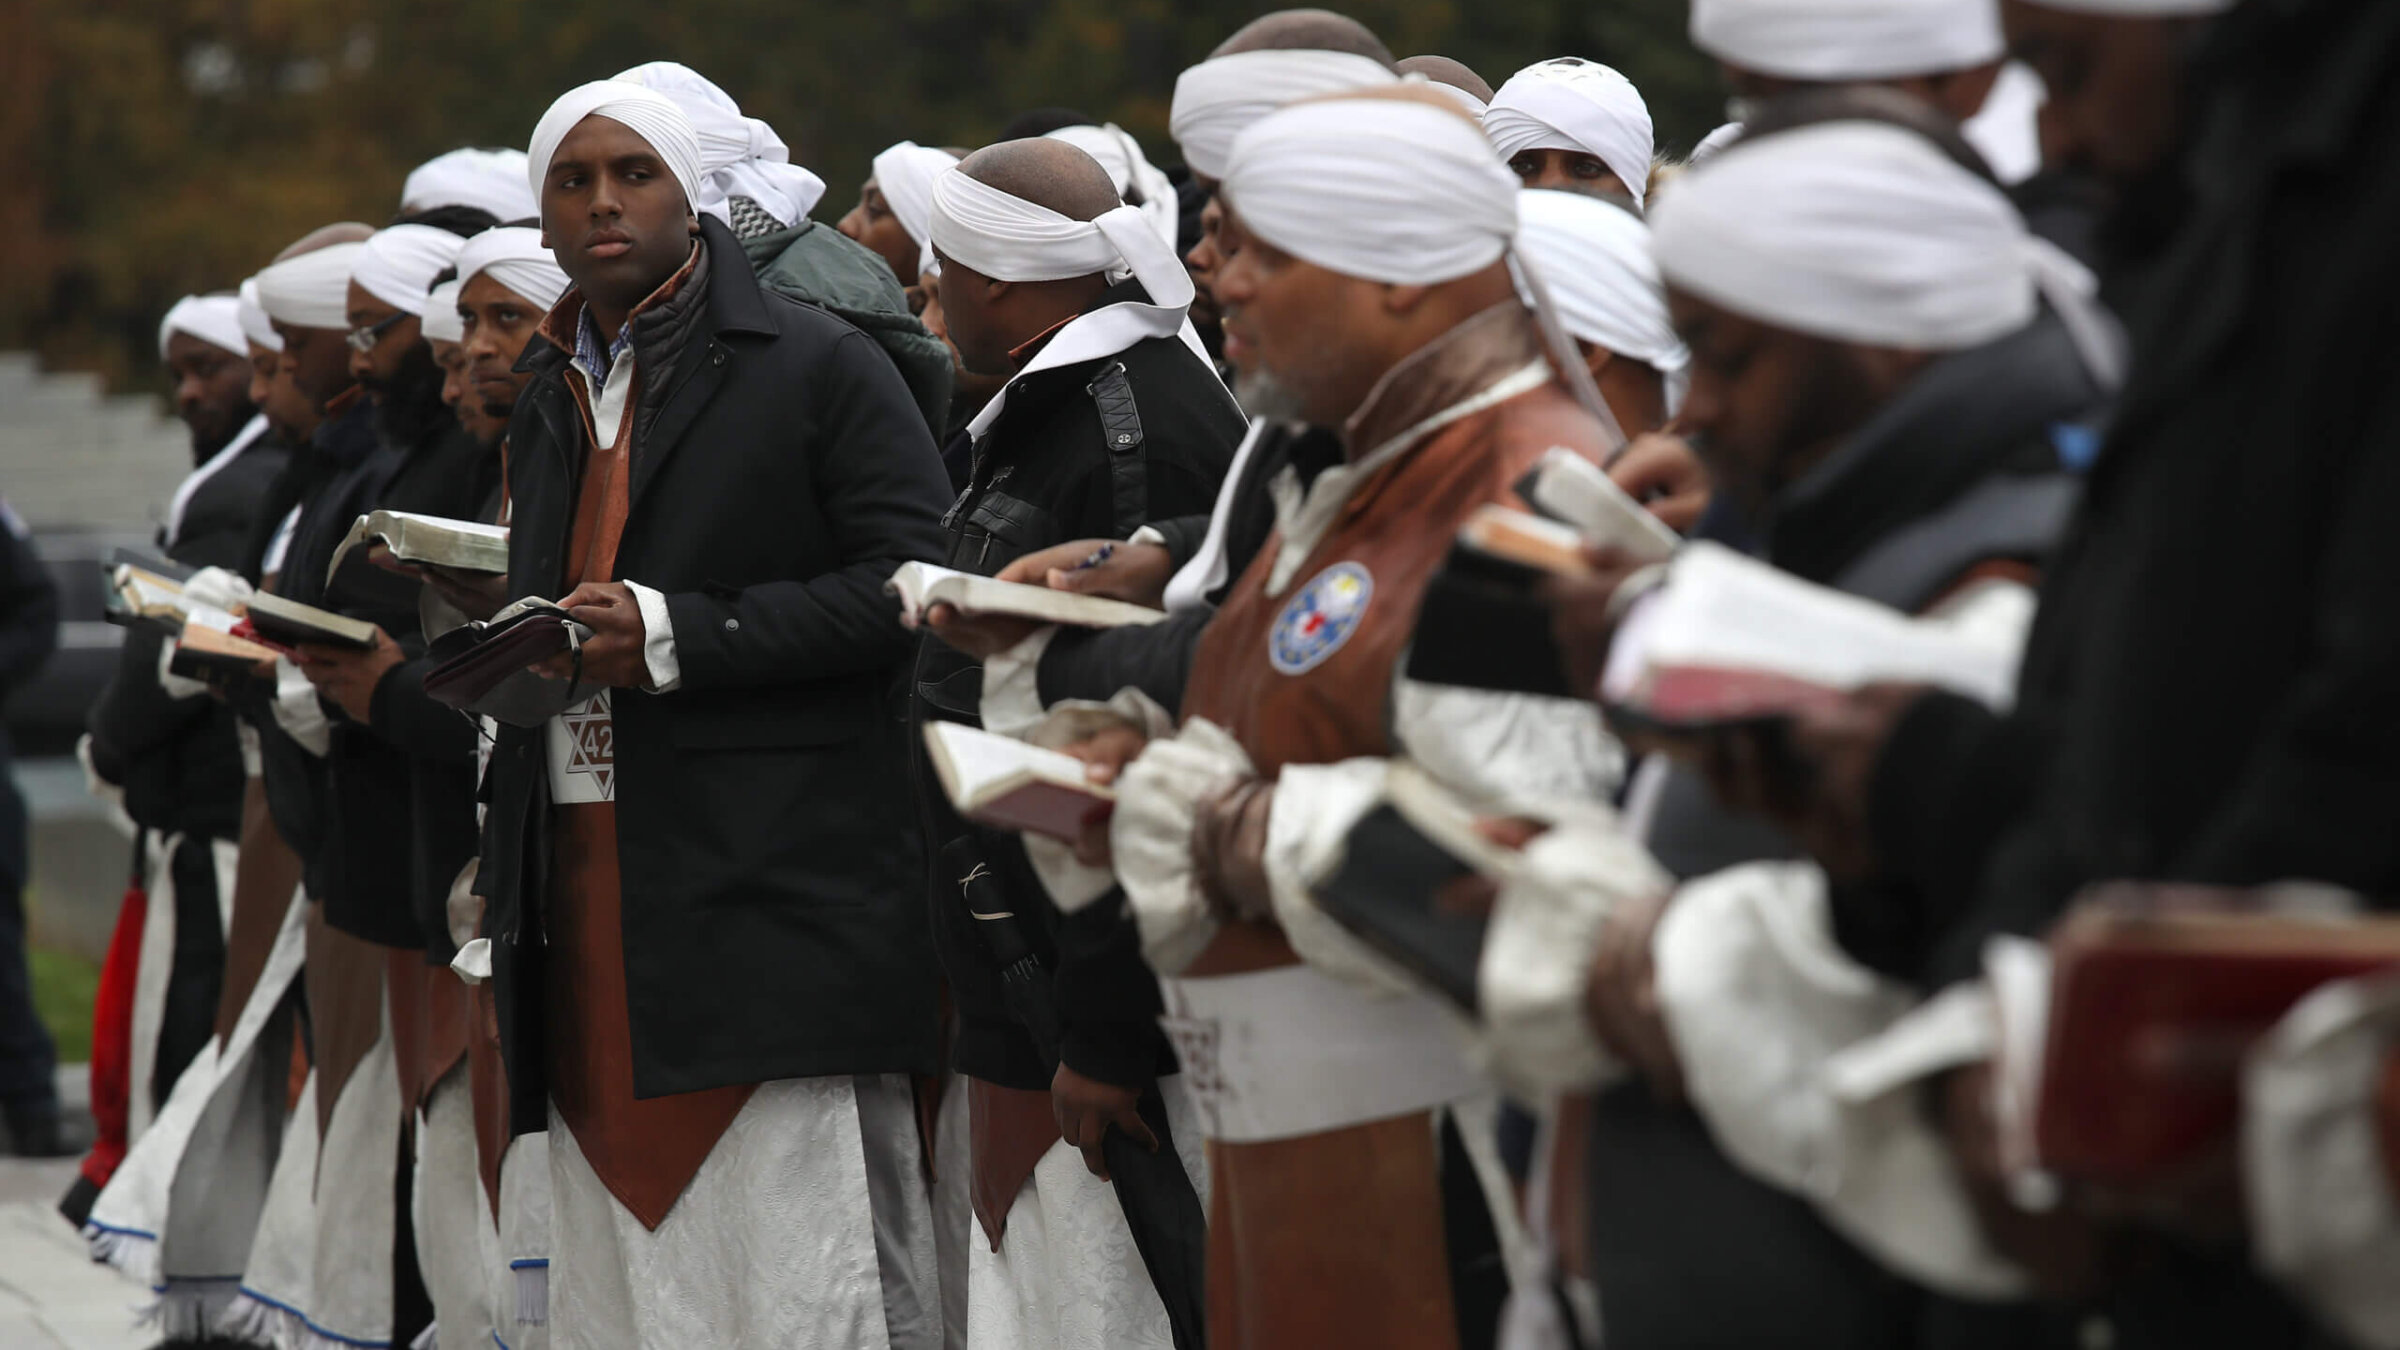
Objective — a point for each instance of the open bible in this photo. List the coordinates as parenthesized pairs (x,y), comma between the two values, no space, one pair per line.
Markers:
(1011,785)
(921,586)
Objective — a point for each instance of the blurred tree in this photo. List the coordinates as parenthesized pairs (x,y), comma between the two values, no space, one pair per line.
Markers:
(154,147)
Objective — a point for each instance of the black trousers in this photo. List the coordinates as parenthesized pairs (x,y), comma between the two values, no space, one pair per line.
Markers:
(28,1060)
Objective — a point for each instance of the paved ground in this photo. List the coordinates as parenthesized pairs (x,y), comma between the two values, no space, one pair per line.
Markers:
(52,1295)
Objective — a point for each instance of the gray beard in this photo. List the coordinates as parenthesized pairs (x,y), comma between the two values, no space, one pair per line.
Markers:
(1262,395)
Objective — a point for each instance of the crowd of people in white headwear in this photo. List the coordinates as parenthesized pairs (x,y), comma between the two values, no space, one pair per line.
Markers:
(1421,725)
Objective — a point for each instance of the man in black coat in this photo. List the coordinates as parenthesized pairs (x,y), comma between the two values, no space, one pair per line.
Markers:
(1108,421)
(28,634)
(703,879)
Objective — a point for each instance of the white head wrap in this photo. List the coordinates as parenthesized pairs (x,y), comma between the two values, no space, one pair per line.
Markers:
(2006,131)
(1221,97)
(905,174)
(1851,40)
(398,265)
(1572,104)
(2140,9)
(515,257)
(256,328)
(441,321)
(1866,232)
(1716,142)
(1389,191)
(1595,258)
(1468,103)
(1131,171)
(1007,238)
(489,180)
(311,290)
(214,319)
(739,156)
(652,115)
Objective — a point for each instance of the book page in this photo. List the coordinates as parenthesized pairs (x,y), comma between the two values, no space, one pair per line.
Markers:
(1582,494)
(976,763)
(922,585)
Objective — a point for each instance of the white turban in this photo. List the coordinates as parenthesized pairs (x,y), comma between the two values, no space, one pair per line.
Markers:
(516,257)
(214,319)
(1473,107)
(1221,97)
(739,156)
(1865,232)
(2140,9)
(1716,142)
(1390,191)
(1131,171)
(441,321)
(652,115)
(489,180)
(1572,104)
(256,328)
(1007,238)
(1594,257)
(905,174)
(1852,40)
(398,265)
(311,290)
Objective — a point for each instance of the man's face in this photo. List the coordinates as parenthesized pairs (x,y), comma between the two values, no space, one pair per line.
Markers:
(1764,399)
(2115,102)
(211,387)
(969,315)
(1202,263)
(872,223)
(614,216)
(451,359)
(1568,171)
(1300,337)
(289,412)
(318,361)
(937,322)
(383,367)
(499,322)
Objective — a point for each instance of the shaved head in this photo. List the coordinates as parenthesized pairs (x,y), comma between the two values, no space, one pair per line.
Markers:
(1306,30)
(1047,173)
(1443,70)
(326,236)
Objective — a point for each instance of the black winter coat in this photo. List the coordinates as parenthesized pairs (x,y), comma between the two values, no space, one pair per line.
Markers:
(770,863)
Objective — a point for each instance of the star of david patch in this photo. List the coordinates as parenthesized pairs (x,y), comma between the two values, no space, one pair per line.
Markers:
(592,746)
(1320,618)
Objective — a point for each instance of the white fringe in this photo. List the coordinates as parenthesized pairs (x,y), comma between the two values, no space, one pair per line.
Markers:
(533,1295)
(191,1309)
(132,1253)
(251,1319)
(428,1339)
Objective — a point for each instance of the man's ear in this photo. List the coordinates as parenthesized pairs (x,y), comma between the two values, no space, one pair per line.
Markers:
(1596,358)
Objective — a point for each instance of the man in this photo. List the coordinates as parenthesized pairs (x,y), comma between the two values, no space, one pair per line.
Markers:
(894,215)
(28,1093)
(1470,90)
(1108,419)
(174,755)
(739,759)
(1574,125)
(1594,256)
(490,181)
(444,333)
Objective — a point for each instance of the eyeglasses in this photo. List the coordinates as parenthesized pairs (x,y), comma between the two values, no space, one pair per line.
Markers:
(364,339)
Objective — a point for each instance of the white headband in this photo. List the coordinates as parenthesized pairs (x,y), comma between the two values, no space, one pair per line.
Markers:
(1570,104)
(1389,191)
(398,265)
(1853,40)
(2140,9)
(1473,107)
(1219,99)
(214,319)
(652,115)
(905,174)
(739,156)
(1131,171)
(441,321)
(1866,232)
(1594,257)
(517,259)
(312,290)
(1007,238)
(256,327)
(488,180)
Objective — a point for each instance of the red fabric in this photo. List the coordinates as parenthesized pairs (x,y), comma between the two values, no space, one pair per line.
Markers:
(112,1038)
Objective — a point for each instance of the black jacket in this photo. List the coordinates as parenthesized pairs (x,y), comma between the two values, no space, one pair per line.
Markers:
(770,862)
(1048,471)
(179,759)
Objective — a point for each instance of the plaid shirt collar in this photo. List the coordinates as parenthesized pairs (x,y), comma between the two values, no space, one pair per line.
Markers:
(589,352)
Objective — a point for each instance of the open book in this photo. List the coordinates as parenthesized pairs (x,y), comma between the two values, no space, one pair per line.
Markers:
(1731,639)
(433,541)
(138,597)
(920,586)
(1569,488)
(288,623)
(1010,785)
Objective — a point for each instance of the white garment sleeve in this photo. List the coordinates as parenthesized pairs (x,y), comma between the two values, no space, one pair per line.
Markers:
(1012,696)
(1071,884)
(658,639)
(1150,836)
(297,710)
(173,685)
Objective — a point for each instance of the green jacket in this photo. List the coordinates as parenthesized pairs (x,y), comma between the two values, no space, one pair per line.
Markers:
(826,268)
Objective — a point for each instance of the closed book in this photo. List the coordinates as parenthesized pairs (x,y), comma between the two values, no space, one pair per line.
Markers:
(485,668)
(216,655)
(1396,863)
(1483,623)
(1010,785)
(288,623)
(921,586)
(2150,1017)
(1568,488)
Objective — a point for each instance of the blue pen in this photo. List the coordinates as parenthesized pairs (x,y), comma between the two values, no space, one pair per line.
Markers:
(1099,555)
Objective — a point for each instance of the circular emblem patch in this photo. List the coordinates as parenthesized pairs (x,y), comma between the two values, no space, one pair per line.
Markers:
(1316,622)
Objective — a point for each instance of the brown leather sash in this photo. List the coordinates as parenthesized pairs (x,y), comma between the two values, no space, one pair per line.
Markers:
(345,1006)
(1009,1131)
(487,1080)
(429,1022)
(264,881)
(1330,1239)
